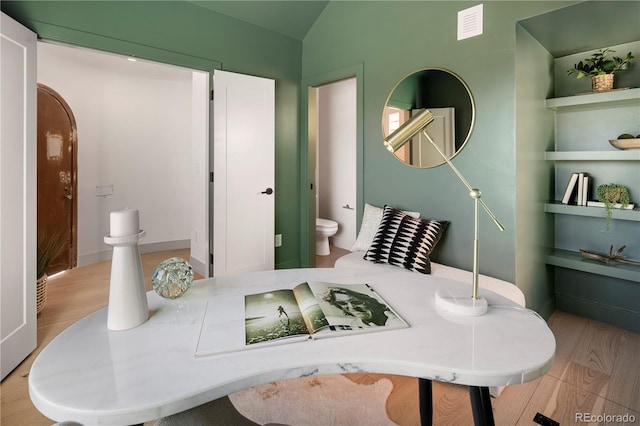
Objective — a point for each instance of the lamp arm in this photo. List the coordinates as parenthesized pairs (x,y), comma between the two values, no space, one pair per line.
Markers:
(473,192)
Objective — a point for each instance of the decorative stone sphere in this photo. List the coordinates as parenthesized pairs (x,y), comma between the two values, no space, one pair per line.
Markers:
(172,278)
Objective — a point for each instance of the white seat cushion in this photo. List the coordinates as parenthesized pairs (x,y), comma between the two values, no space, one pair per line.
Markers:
(503,288)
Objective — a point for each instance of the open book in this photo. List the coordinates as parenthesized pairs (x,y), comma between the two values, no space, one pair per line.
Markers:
(310,310)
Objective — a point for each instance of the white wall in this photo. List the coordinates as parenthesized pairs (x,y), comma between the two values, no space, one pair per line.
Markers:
(135,130)
(336,158)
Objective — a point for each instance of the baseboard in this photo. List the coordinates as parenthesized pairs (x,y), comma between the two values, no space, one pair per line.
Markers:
(597,312)
(547,309)
(342,243)
(101,256)
(198,266)
(290,264)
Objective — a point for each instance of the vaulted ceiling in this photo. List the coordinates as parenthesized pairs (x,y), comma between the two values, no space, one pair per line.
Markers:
(292,18)
(562,32)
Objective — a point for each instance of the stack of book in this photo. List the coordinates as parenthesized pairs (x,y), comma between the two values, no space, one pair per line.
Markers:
(577,193)
(577,190)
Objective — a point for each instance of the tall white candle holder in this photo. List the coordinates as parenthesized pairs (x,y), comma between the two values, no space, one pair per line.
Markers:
(128,305)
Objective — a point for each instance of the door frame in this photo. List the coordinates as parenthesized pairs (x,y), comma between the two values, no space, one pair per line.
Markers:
(307,156)
(73,248)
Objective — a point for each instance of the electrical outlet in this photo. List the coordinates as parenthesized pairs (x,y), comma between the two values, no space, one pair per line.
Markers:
(278,240)
(543,420)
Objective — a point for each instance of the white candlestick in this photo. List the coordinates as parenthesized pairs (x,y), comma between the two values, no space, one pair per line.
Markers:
(124,222)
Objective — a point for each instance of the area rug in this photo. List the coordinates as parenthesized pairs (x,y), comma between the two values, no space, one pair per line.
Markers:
(325,400)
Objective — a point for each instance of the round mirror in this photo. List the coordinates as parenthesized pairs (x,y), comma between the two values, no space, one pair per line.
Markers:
(448,98)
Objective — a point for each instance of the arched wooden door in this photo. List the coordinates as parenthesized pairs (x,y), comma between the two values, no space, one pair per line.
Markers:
(57,174)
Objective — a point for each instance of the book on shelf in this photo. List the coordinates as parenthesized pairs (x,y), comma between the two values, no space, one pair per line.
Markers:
(570,188)
(577,188)
(580,189)
(629,206)
(585,189)
(310,310)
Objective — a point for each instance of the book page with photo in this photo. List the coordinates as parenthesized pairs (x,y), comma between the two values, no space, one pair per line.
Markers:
(350,307)
(310,310)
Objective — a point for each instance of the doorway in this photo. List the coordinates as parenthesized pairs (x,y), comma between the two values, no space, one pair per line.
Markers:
(143,130)
(335,158)
(309,133)
(57,176)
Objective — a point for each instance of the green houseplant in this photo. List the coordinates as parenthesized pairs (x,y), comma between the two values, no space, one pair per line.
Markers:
(601,68)
(51,244)
(612,194)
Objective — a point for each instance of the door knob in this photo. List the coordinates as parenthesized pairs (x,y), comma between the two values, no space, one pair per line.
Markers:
(267,191)
(68,196)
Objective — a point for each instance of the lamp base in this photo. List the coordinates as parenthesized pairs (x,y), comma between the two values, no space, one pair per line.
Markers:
(459,302)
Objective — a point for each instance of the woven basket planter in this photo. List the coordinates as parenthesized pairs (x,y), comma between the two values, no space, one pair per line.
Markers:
(41,293)
(601,83)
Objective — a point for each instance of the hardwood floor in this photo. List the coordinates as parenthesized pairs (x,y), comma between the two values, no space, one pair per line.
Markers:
(596,371)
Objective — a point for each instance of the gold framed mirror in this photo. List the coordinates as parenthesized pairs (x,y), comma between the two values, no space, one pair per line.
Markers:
(449,99)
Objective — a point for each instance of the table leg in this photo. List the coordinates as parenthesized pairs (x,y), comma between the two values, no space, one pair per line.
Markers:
(481,406)
(426,402)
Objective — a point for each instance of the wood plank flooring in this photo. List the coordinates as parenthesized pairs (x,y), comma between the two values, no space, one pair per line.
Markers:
(596,371)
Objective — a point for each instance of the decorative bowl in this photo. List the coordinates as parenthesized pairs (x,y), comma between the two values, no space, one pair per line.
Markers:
(172,278)
(626,143)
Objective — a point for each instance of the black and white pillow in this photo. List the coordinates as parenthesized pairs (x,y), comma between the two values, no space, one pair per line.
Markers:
(405,241)
(371,218)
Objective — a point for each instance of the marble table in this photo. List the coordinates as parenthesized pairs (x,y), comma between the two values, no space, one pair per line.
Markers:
(93,375)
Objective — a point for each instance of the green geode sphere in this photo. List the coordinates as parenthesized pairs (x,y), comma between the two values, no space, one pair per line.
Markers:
(172,278)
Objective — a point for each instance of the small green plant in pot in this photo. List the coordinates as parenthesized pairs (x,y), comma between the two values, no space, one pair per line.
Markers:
(612,194)
(601,68)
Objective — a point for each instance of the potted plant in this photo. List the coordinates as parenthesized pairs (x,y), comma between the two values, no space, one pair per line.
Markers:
(612,194)
(50,246)
(601,68)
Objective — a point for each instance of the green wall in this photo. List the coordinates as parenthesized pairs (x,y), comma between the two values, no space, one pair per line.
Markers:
(184,34)
(388,40)
(534,175)
(392,39)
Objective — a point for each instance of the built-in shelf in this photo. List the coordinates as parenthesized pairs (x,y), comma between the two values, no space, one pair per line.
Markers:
(589,100)
(581,281)
(626,155)
(574,260)
(558,208)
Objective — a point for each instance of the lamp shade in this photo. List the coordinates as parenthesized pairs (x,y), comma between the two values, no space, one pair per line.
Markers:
(408,130)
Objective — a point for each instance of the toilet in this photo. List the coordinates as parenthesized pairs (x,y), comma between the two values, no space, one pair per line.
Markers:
(325,228)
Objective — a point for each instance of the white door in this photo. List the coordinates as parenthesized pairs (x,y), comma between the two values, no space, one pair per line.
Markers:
(243,173)
(18,194)
(337,110)
(441,131)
